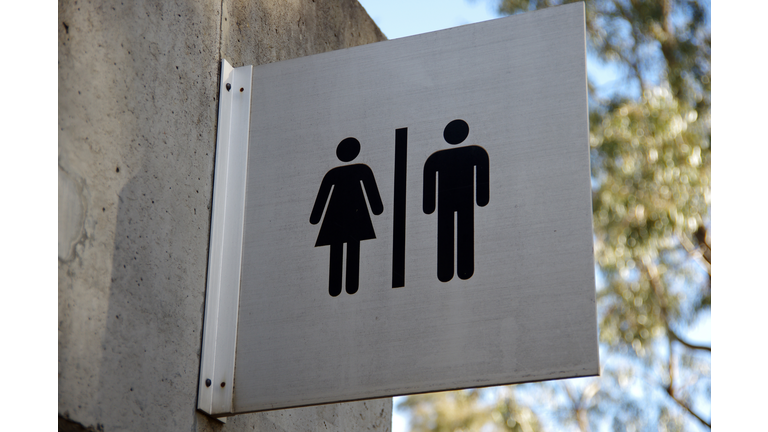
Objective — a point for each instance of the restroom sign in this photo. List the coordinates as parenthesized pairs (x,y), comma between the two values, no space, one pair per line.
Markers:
(416,217)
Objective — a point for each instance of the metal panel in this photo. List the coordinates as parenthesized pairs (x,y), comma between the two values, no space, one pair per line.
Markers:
(524,312)
(217,362)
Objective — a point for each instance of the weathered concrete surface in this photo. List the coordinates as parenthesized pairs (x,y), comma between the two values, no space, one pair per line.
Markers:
(138,103)
(258,32)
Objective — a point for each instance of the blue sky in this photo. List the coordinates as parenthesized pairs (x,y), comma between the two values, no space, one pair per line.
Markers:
(400,18)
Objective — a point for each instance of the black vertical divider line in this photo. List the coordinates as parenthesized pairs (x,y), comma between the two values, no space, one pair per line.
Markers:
(398,231)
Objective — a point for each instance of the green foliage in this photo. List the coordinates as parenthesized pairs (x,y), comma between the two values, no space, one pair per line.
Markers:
(466,411)
(652,161)
(651,206)
(656,42)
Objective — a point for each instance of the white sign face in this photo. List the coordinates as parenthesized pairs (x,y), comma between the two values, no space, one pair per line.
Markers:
(418,217)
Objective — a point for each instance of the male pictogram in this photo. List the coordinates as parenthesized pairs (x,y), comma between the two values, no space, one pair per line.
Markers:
(347,219)
(455,171)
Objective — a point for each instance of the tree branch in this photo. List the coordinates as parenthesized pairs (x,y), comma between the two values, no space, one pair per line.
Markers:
(701,255)
(674,336)
(670,391)
(653,275)
(636,40)
(671,366)
(687,408)
(579,408)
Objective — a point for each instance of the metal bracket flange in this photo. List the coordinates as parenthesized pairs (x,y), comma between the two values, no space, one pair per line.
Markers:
(217,363)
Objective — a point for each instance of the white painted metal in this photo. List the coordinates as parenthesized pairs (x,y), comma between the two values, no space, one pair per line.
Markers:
(528,312)
(225,253)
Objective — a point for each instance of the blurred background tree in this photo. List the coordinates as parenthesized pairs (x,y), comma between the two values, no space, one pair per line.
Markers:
(650,151)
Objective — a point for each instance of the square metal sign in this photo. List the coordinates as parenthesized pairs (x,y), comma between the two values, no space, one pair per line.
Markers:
(415,216)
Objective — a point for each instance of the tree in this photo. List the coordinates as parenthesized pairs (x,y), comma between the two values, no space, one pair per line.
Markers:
(650,150)
(466,410)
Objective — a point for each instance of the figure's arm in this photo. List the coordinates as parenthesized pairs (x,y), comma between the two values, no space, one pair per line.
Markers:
(430,172)
(483,177)
(371,190)
(322,198)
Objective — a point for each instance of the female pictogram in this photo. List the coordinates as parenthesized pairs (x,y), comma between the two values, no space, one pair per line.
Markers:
(346,219)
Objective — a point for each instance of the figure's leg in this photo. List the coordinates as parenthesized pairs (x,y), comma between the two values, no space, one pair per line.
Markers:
(465,242)
(445,244)
(335,269)
(353,266)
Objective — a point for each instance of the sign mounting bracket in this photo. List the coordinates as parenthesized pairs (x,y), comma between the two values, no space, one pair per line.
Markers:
(217,363)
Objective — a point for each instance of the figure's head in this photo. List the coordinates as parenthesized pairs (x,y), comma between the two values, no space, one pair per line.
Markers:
(456,132)
(348,149)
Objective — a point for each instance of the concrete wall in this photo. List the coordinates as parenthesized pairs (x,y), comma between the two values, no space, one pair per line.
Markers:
(138,103)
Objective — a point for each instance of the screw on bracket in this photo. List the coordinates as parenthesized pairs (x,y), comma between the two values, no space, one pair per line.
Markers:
(229,86)
(208,382)
(222,384)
